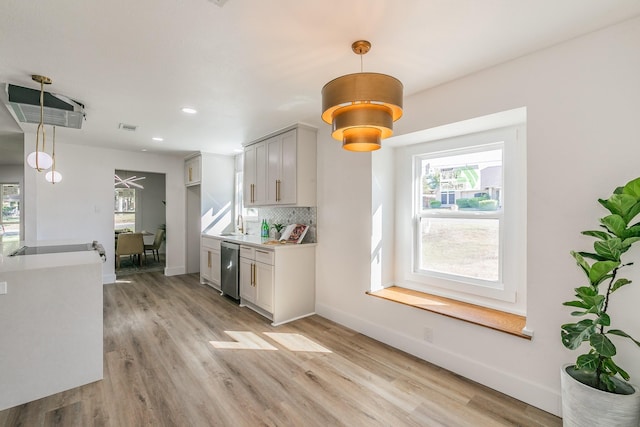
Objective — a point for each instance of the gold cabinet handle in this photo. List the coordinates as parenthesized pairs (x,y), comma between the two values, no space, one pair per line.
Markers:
(278,195)
(209,259)
(190,174)
(253,274)
(253,199)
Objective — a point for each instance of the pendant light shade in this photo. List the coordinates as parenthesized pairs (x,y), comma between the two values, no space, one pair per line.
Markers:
(53,177)
(44,160)
(362,107)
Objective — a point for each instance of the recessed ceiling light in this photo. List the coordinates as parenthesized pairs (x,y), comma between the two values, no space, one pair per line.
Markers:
(157,138)
(144,149)
(189,110)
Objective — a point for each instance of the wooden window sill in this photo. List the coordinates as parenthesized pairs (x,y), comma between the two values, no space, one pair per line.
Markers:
(490,318)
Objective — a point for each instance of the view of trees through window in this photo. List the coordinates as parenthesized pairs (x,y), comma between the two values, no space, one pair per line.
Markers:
(459,210)
(10,218)
(125,209)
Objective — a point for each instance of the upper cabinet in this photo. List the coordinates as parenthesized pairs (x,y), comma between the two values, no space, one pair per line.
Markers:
(280,169)
(255,174)
(193,170)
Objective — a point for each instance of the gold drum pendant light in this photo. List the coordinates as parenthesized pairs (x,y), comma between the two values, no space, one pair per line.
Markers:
(362,107)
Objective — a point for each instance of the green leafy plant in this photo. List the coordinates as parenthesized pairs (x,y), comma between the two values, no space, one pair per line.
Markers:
(597,368)
(278,227)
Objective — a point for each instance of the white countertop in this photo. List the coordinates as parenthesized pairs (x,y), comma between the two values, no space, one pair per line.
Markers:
(262,242)
(33,262)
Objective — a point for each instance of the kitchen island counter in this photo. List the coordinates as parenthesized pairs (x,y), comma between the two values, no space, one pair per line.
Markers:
(51,308)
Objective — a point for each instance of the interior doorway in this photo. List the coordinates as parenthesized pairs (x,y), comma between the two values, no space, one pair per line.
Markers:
(139,209)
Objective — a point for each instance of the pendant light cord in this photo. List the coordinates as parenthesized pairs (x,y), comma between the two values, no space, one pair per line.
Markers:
(40,126)
(53,157)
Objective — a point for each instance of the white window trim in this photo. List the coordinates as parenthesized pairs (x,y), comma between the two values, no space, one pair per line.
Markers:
(512,296)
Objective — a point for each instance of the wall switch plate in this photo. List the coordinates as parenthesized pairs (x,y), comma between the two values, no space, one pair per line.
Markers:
(3,288)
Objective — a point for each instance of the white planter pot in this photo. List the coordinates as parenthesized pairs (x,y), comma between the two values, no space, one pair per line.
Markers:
(584,406)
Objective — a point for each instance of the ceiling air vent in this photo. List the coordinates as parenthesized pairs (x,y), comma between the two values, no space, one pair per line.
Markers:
(130,128)
(24,103)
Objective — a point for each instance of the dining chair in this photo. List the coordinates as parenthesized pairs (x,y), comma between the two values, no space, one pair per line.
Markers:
(155,246)
(130,244)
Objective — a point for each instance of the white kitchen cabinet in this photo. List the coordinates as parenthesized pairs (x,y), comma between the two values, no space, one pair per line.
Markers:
(193,170)
(278,283)
(247,290)
(264,280)
(256,278)
(210,262)
(280,169)
(255,175)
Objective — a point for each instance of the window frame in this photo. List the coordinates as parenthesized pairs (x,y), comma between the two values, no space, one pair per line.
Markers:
(511,294)
(17,222)
(134,211)
(420,214)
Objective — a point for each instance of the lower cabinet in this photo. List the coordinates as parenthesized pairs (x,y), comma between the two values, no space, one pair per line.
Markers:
(256,278)
(210,262)
(278,283)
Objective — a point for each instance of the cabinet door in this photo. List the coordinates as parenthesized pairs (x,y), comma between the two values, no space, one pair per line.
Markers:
(249,175)
(264,286)
(215,266)
(274,162)
(205,264)
(192,171)
(288,171)
(255,174)
(247,272)
(261,174)
(281,170)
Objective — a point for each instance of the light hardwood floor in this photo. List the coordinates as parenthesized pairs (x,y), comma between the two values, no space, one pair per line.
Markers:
(161,370)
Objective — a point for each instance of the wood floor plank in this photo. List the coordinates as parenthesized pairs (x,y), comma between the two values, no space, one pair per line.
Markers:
(160,370)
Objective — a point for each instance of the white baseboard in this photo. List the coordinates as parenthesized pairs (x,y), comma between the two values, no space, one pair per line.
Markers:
(175,271)
(533,394)
(108,279)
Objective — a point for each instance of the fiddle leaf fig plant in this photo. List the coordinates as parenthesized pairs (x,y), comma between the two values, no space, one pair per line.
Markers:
(602,269)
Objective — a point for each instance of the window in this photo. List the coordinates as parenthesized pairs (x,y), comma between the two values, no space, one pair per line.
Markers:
(10,217)
(125,209)
(459,226)
(469,210)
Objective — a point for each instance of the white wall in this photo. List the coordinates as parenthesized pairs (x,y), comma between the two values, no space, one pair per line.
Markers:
(582,135)
(81,206)
(11,174)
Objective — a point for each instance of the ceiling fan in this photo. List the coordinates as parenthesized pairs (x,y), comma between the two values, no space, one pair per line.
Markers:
(128,182)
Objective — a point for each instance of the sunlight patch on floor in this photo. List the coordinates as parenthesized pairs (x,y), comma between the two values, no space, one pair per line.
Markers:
(296,342)
(251,341)
(244,341)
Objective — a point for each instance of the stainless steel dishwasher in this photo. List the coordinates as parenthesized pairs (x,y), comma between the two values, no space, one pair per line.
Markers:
(229,269)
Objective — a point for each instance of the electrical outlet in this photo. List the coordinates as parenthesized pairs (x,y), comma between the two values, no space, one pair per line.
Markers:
(3,288)
(428,334)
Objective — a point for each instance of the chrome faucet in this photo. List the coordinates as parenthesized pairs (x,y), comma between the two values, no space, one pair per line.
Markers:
(240,224)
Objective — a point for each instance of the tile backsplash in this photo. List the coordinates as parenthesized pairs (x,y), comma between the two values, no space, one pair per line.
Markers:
(286,216)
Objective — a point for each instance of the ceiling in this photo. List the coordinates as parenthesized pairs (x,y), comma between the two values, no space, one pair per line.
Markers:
(252,67)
